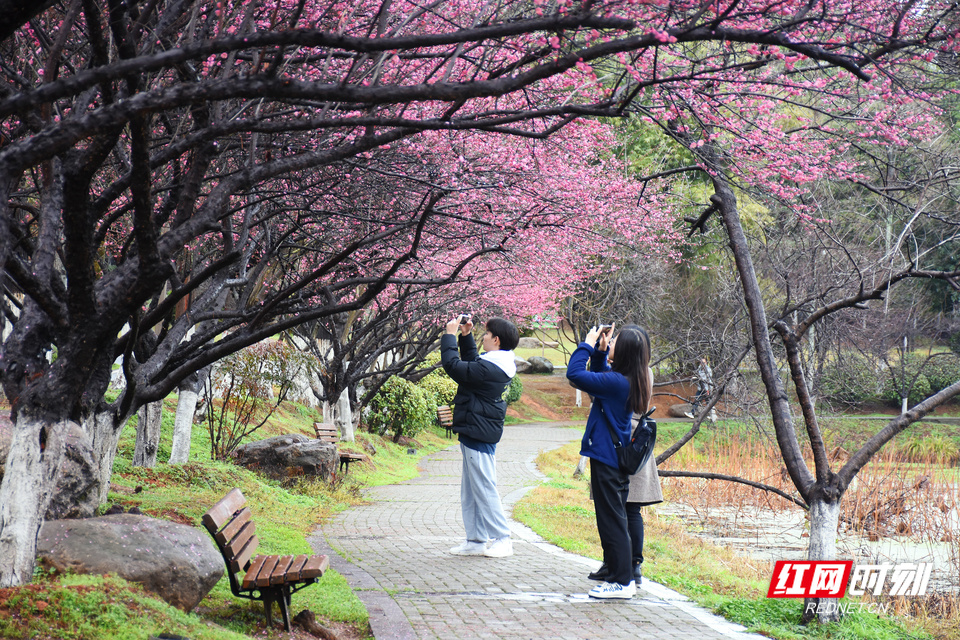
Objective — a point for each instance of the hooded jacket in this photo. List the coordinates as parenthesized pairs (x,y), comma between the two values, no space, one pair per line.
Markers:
(478,407)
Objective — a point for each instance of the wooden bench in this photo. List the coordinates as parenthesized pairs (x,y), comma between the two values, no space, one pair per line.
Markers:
(445,418)
(267,578)
(327,432)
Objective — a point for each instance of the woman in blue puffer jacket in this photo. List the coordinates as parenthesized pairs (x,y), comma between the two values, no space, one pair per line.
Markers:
(620,383)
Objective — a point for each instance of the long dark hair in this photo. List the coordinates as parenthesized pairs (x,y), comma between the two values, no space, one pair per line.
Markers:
(631,358)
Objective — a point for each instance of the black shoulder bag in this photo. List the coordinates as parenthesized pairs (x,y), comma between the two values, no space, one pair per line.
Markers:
(636,452)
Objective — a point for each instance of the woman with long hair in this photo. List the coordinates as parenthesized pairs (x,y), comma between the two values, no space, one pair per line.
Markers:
(620,382)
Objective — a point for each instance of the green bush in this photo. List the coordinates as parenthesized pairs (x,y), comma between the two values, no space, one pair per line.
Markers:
(514,390)
(942,371)
(439,385)
(401,407)
(851,379)
(907,377)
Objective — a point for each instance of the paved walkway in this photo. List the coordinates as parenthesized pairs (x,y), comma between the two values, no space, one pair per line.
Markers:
(393,551)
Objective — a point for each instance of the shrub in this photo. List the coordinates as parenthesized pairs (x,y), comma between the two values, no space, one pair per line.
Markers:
(251,384)
(932,449)
(402,407)
(942,371)
(851,379)
(907,377)
(439,385)
(514,390)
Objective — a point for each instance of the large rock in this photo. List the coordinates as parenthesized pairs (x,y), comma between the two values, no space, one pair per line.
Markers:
(680,410)
(76,493)
(177,562)
(289,455)
(529,343)
(539,364)
(522,365)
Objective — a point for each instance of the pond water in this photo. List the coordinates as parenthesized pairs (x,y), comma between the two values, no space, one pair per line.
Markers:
(783,535)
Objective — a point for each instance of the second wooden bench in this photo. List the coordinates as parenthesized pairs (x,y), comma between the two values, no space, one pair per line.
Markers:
(327,432)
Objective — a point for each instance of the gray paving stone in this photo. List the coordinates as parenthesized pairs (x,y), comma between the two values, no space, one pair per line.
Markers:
(393,552)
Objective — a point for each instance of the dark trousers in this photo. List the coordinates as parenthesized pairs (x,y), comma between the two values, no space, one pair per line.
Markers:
(610,488)
(635,527)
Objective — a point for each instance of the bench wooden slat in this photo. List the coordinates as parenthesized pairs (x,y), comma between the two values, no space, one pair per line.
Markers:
(250,579)
(236,544)
(326,432)
(445,415)
(263,579)
(314,567)
(281,572)
(220,513)
(241,559)
(228,532)
(296,567)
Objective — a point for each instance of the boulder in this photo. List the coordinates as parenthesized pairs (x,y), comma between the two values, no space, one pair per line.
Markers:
(539,364)
(177,562)
(680,410)
(76,494)
(529,343)
(522,365)
(289,455)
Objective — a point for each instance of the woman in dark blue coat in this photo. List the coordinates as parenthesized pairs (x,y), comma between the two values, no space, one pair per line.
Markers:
(620,383)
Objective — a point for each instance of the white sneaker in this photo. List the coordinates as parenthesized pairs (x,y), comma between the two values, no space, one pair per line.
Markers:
(614,590)
(469,548)
(689,415)
(499,548)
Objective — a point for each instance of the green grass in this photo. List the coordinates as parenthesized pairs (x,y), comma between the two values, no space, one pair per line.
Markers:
(108,608)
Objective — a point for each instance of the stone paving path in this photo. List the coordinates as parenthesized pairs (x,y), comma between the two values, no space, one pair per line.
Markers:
(393,551)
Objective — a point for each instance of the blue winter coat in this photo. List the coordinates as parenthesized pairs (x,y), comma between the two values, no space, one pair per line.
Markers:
(611,395)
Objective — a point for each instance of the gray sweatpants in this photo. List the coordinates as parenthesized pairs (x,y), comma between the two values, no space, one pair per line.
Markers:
(482,512)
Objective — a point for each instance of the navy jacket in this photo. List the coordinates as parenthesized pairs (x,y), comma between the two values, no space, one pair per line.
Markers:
(611,391)
(479,407)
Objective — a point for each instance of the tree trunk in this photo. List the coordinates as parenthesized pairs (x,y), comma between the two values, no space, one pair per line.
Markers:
(186,411)
(148,434)
(344,418)
(581,467)
(183,426)
(824,522)
(104,436)
(36,449)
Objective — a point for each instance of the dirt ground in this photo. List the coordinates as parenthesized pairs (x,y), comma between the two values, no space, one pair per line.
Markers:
(550,397)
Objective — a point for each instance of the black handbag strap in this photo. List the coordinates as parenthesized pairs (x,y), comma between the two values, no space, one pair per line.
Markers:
(617,443)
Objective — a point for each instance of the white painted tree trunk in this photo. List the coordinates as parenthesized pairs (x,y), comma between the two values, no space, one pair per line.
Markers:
(344,418)
(824,522)
(579,398)
(148,435)
(183,426)
(581,467)
(104,439)
(28,482)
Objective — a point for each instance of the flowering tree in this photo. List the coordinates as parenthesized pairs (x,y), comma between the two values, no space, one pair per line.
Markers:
(178,179)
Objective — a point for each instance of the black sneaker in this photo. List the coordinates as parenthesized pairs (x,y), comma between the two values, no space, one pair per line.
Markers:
(600,574)
(637,573)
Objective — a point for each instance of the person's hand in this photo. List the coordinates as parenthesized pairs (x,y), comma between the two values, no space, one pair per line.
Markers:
(467,327)
(453,325)
(592,336)
(605,336)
